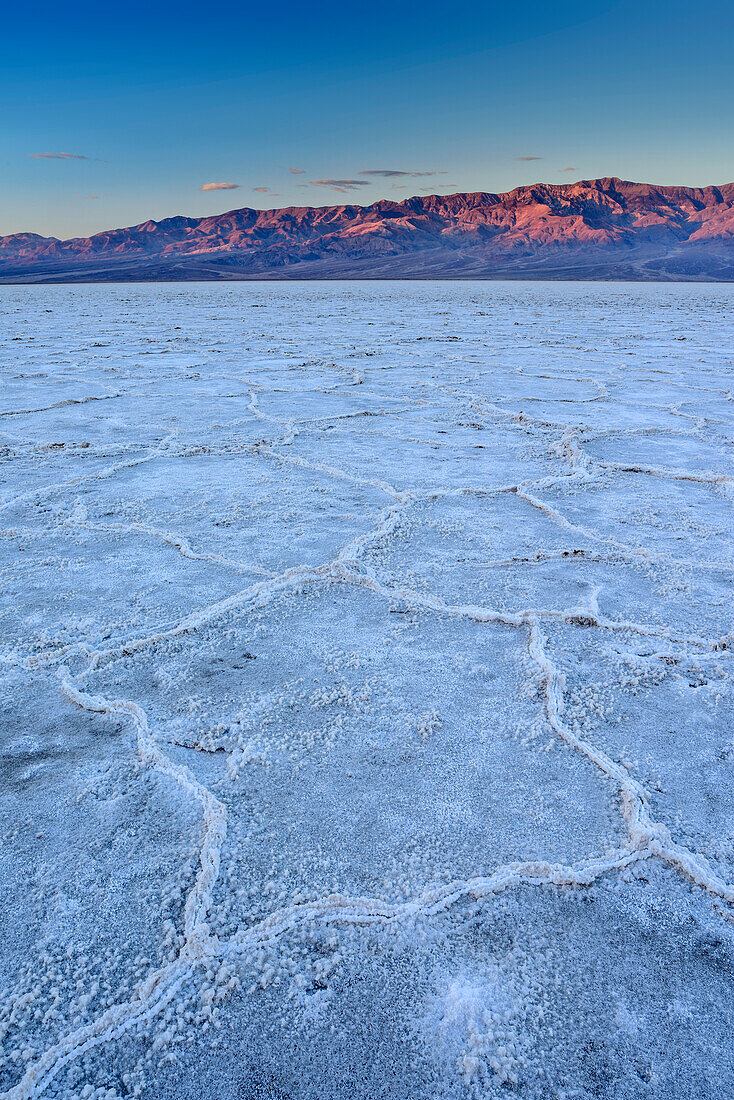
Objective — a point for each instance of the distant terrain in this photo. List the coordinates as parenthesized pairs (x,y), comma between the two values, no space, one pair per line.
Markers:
(595,229)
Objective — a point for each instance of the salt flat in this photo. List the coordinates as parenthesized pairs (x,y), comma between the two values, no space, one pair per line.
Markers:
(367,691)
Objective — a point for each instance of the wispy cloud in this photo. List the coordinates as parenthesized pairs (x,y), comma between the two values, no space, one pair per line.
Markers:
(298,171)
(90,196)
(262,190)
(571,169)
(219,187)
(389,173)
(58,156)
(529,158)
(341,185)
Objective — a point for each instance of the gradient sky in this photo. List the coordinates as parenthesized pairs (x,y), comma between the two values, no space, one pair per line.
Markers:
(150,102)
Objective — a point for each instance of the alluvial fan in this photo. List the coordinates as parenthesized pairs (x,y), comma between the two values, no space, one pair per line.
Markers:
(367,691)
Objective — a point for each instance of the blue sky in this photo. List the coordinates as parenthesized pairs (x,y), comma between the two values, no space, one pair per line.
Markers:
(151,102)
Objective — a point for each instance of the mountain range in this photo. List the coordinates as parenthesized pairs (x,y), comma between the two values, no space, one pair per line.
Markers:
(594,229)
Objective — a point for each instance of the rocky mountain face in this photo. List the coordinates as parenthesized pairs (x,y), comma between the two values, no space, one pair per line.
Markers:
(599,229)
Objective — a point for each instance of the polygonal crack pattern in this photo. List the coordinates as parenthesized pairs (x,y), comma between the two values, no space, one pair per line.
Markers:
(368,692)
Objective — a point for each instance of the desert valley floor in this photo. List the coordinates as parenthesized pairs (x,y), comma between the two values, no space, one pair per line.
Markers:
(366,691)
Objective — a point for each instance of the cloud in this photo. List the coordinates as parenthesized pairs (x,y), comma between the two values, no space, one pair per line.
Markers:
(263,190)
(219,187)
(389,173)
(298,171)
(529,158)
(89,196)
(341,185)
(58,156)
(571,169)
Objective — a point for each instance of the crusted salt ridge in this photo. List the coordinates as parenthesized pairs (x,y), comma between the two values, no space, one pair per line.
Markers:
(213,812)
(668,475)
(105,472)
(178,542)
(61,404)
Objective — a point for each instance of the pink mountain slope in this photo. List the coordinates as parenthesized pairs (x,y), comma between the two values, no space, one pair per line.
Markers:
(606,228)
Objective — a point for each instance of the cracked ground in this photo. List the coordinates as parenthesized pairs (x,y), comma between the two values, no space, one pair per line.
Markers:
(367,691)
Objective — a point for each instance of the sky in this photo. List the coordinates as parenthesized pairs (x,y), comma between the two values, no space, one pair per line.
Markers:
(119,112)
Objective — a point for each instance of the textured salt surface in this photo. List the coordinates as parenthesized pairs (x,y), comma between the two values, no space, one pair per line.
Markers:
(367,691)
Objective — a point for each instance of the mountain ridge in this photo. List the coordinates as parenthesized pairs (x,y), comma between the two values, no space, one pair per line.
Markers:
(603,228)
